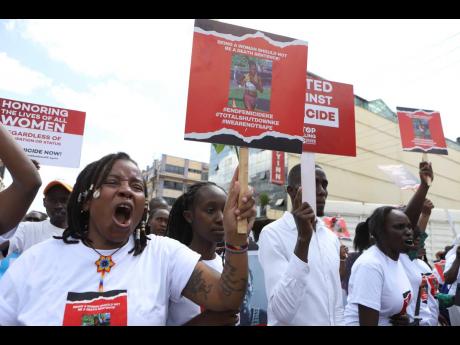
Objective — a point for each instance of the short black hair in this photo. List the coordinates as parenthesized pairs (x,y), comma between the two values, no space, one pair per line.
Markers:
(294,176)
(377,221)
(157,202)
(362,239)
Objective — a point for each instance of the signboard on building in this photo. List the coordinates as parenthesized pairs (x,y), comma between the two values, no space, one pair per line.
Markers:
(329,118)
(246,88)
(50,135)
(277,174)
(421,131)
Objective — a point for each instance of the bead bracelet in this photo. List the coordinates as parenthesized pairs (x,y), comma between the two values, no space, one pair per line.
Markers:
(236,249)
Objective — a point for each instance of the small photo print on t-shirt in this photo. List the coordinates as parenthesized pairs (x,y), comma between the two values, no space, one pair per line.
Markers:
(96,308)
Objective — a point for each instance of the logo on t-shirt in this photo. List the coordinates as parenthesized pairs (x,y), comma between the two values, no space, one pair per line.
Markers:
(96,308)
(434,284)
(407,297)
(424,289)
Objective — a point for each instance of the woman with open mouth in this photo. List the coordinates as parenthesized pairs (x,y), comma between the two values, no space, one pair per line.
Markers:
(104,270)
(379,290)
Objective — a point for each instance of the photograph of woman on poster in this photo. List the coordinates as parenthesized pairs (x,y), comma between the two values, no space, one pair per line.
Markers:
(250,83)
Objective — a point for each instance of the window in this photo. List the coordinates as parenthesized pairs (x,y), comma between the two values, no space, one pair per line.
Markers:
(173,185)
(194,171)
(174,169)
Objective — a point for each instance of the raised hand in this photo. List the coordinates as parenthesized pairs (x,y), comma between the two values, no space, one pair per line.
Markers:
(233,213)
(426,173)
(304,217)
(427,207)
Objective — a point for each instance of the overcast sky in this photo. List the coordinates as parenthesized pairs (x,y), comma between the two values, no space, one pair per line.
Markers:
(131,76)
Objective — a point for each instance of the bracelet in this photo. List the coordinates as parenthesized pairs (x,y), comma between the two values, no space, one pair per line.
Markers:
(236,249)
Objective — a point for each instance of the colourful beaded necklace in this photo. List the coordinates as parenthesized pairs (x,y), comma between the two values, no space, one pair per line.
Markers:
(104,264)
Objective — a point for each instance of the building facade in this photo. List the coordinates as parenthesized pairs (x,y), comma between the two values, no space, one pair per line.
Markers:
(170,176)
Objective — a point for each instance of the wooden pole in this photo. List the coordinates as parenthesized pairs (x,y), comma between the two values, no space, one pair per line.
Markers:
(425,159)
(243,179)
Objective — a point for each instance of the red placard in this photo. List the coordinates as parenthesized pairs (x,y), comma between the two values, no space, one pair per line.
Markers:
(421,131)
(277,176)
(50,135)
(246,88)
(329,118)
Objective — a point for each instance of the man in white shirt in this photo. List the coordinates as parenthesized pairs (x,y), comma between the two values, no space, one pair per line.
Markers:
(300,259)
(56,195)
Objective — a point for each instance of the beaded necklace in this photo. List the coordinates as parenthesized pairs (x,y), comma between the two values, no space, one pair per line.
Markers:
(104,264)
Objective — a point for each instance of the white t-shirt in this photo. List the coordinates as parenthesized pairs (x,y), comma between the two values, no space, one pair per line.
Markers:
(450,258)
(31,233)
(430,314)
(377,282)
(184,310)
(7,235)
(55,283)
(415,278)
(415,273)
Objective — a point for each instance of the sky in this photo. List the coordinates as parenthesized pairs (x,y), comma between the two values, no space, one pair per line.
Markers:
(131,76)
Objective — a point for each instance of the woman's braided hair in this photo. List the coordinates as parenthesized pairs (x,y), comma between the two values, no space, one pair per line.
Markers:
(178,228)
(89,180)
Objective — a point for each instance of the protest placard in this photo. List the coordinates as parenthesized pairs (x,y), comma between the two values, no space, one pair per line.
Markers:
(329,119)
(247,88)
(329,127)
(421,130)
(50,135)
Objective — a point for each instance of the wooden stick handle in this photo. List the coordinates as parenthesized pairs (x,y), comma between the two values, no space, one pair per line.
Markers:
(243,179)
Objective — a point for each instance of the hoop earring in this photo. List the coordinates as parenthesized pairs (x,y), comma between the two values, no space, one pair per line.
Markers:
(96,194)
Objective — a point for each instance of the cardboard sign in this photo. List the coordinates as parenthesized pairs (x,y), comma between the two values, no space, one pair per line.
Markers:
(400,176)
(421,131)
(246,88)
(277,175)
(50,135)
(329,118)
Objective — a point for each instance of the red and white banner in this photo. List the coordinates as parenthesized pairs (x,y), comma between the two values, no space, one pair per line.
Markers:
(329,118)
(50,135)
(277,175)
(247,88)
(421,131)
